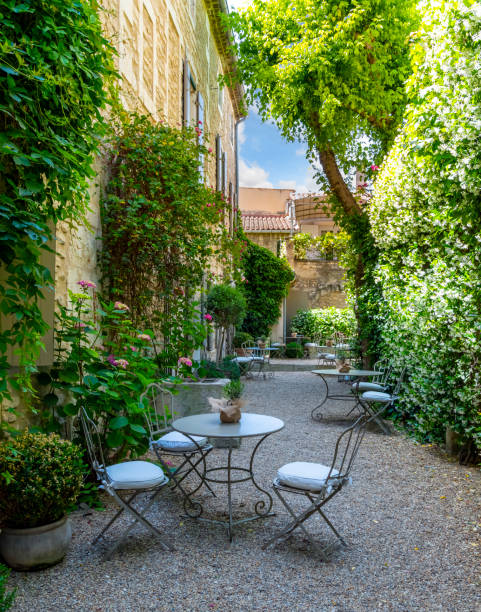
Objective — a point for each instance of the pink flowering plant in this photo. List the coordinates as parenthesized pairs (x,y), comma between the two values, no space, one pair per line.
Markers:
(102,362)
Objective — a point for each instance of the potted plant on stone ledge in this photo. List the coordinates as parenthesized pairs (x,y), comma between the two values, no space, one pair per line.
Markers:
(40,480)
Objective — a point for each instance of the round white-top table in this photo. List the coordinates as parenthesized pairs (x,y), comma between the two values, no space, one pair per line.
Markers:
(324,373)
(249,426)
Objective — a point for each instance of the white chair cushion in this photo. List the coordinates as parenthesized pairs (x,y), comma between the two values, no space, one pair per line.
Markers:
(327,356)
(304,475)
(135,475)
(175,440)
(368,386)
(243,359)
(376,396)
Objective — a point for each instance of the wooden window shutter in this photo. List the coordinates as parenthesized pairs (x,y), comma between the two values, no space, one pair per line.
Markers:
(218,165)
(200,124)
(186,93)
(224,172)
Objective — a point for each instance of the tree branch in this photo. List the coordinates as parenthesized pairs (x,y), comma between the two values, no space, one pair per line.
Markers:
(337,183)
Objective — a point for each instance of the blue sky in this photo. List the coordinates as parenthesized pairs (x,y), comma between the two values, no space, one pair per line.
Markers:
(265,158)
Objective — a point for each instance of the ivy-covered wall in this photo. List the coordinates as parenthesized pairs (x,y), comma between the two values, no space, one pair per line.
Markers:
(425,217)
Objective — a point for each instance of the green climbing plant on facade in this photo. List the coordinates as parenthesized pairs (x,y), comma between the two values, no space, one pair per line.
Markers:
(54,67)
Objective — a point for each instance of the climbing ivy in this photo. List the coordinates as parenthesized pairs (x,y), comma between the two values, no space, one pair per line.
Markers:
(54,62)
(266,282)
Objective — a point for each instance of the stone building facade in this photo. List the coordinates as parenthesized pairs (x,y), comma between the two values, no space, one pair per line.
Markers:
(270,217)
(171,54)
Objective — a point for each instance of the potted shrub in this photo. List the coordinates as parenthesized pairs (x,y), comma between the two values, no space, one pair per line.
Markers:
(40,479)
(228,307)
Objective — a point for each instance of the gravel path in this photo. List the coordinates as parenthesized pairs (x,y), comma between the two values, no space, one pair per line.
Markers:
(411,518)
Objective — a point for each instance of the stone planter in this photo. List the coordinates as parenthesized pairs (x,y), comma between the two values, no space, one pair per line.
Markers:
(36,547)
(192,396)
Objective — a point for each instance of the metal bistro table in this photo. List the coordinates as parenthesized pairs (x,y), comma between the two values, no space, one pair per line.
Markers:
(250,425)
(315,413)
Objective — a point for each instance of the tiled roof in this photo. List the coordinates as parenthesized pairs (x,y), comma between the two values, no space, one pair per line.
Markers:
(266,222)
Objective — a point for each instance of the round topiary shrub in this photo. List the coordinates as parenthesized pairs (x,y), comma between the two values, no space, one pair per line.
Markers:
(40,479)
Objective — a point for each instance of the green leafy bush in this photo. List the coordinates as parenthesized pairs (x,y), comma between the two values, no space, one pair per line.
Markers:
(267,280)
(102,363)
(40,479)
(324,322)
(225,369)
(242,338)
(6,599)
(425,219)
(54,66)
(294,350)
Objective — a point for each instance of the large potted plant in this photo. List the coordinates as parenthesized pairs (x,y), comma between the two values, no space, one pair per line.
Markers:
(40,479)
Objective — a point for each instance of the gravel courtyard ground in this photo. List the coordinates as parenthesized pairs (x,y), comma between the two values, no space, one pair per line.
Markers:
(411,518)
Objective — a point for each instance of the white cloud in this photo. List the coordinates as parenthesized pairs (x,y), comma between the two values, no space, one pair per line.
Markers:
(252,175)
(288,185)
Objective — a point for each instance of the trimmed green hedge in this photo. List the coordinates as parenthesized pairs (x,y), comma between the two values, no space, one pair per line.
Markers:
(324,322)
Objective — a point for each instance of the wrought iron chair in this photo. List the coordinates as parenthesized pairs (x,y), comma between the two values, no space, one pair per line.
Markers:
(326,354)
(133,476)
(369,399)
(191,450)
(380,383)
(319,484)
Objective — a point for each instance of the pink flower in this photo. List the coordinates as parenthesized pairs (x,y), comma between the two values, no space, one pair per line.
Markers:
(145,337)
(120,306)
(133,348)
(208,317)
(199,122)
(185,361)
(374,168)
(210,151)
(111,359)
(122,363)
(80,325)
(86,284)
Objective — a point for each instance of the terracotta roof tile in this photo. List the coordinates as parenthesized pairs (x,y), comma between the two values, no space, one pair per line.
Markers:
(265,222)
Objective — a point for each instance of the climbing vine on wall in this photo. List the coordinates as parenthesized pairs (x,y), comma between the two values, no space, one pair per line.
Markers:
(163,228)
(326,245)
(54,63)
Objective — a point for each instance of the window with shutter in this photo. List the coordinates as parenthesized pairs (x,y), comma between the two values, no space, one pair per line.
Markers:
(224,172)
(189,95)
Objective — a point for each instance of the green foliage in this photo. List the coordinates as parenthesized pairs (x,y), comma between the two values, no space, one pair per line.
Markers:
(40,479)
(54,63)
(233,390)
(103,363)
(225,369)
(425,219)
(162,229)
(329,71)
(324,322)
(242,338)
(267,280)
(227,305)
(6,599)
(326,245)
(294,350)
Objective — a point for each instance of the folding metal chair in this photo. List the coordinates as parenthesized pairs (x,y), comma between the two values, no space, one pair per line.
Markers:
(380,383)
(158,405)
(319,484)
(134,476)
(369,399)
(326,354)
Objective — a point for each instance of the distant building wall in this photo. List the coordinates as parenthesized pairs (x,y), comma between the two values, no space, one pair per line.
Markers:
(266,200)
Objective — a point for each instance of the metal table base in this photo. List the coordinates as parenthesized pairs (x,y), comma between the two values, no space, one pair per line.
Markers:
(235,474)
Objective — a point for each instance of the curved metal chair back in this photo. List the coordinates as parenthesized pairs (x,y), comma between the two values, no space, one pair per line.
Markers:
(160,409)
(399,382)
(94,445)
(346,449)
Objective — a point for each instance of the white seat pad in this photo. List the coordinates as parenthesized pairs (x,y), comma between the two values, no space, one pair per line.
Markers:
(327,356)
(304,475)
(243,359)
(175,440)
(376,396)
(135,475)
(368,386)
